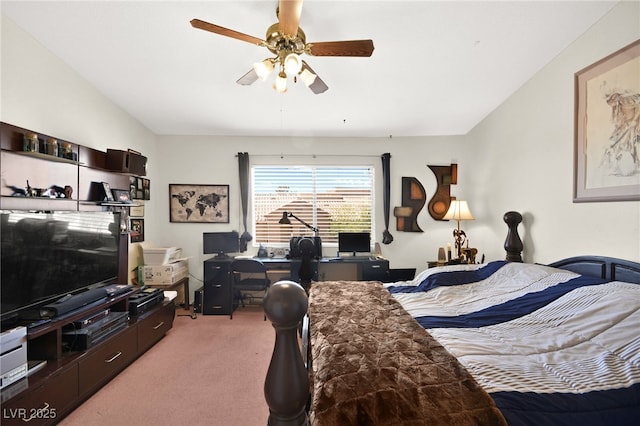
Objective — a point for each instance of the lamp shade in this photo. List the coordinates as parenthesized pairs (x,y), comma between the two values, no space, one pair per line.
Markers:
(263,69)
(458,210)
(280,85)
(292,64)
(284,220)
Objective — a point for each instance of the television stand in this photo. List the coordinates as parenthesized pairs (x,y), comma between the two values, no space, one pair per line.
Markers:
(69,377)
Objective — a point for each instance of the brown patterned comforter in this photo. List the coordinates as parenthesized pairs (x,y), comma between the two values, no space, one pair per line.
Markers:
(374,365)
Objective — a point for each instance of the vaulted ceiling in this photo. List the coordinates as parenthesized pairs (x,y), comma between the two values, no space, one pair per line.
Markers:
(438,68)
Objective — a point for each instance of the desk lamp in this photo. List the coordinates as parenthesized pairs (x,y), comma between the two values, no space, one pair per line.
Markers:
(458,210)
(285,221)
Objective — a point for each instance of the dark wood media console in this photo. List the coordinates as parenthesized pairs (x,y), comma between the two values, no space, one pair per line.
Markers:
(70,377)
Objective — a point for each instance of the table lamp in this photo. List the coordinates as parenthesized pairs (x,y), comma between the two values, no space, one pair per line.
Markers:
(458,210)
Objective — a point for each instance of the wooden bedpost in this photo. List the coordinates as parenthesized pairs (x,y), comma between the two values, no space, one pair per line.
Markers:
(286,388)
(513,243)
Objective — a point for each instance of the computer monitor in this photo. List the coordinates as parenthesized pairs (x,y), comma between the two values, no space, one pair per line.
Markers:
(220,243)
(354,242)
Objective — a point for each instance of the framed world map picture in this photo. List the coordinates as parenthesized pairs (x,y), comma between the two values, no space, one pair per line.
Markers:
(199,203)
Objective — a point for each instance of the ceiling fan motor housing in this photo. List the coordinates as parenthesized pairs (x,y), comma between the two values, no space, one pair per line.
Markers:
(281,45)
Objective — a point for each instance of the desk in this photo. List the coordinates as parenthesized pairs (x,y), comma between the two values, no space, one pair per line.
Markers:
(185,288)
(217,273)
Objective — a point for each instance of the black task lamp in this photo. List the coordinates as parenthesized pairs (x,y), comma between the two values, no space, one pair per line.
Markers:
(285,221)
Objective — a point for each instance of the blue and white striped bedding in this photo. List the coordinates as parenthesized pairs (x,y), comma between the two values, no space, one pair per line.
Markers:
(550,346)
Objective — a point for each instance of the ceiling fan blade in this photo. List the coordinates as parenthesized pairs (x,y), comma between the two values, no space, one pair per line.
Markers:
(318,86)
(249,78)
(289,16)
(340,48)
(202,25)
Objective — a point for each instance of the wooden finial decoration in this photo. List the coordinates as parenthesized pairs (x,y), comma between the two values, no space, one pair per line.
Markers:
(286,388)
(513,244)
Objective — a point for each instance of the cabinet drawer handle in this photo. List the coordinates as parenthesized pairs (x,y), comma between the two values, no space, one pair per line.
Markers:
(217,307)
(113,358)
(159,325)
(375,266)
(218,285)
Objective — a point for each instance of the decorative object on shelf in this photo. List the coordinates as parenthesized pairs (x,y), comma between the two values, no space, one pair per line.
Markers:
(606,157)
(31,142)
(65,151)
(413,200)
(513,244)
(17,191)
(51,146)
(54,191)
(137,230)
(445,177)
(459,210)
(199,203)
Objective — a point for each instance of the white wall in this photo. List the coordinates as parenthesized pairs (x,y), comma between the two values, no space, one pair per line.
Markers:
(212,160)
(524,152)
(519,158)
(41,93)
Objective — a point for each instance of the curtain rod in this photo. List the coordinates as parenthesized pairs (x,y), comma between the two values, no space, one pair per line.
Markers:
(281,155)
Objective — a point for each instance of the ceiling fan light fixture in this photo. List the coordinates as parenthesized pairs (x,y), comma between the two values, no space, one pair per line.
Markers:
(264,68)
(280,85)
(307,77)
(292,64)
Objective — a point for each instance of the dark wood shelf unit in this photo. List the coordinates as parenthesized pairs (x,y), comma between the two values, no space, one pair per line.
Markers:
(43,170)
(69,378)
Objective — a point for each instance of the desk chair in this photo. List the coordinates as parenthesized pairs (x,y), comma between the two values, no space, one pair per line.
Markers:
(258,280)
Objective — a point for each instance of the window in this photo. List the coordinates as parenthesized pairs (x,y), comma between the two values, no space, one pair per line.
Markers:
(331,198)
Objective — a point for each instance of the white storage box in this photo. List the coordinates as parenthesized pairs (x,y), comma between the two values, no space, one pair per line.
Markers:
(161,255)
(167,274)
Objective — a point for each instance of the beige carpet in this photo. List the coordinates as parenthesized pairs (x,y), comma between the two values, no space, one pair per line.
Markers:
(207,371)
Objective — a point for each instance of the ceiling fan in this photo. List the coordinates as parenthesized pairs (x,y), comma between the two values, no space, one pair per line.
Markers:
(286,40)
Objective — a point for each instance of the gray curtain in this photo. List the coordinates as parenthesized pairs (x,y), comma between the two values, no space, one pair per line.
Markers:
(387,238)
(245,170)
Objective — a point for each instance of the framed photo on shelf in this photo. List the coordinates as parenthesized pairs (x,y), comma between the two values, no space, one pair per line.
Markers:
(146,188)
(137,230)
(607,102)
(199,203)
(140,188)
(108,195)
(121,196)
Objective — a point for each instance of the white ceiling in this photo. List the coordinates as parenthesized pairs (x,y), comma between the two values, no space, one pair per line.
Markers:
(438,68)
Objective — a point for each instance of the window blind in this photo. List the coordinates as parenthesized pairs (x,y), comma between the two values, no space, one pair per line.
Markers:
(331,198)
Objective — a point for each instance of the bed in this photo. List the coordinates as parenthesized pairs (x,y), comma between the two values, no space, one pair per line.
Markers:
(483,344)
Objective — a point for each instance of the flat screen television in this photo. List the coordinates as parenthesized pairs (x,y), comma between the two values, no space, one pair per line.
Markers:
(354,242)
(220,243)
(46,255)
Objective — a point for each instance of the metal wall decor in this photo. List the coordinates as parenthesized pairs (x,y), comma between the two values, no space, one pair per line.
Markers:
(413,200)
(445,177)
